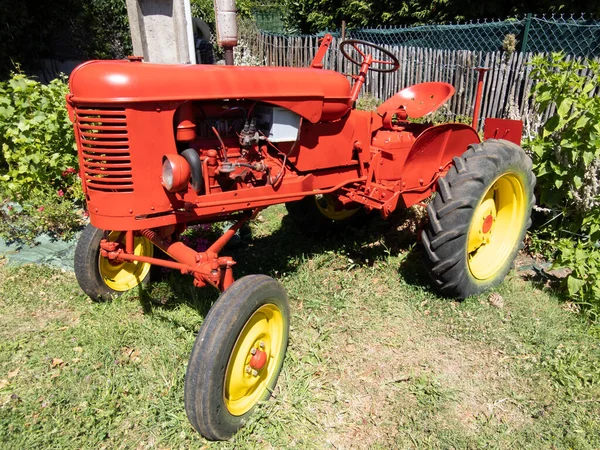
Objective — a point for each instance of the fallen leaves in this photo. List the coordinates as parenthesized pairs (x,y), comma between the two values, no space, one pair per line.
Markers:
(496,300)
(130,355)
(13,373)
(57,362)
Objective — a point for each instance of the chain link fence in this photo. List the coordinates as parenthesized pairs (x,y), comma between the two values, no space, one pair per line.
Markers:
(574,35)
(269,18)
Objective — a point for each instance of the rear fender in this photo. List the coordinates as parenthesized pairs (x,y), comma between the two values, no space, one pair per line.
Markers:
(429,157)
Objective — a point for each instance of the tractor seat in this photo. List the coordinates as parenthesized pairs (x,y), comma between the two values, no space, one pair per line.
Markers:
(418,100)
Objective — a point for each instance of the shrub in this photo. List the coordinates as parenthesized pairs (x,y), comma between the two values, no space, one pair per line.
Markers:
(40,188)
(566,156)
(567,151)
(583,283)
(36,135)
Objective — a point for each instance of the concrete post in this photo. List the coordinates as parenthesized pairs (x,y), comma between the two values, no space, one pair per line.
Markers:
(161,30)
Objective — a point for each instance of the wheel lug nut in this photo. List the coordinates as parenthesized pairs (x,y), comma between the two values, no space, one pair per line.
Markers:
(248,369)
(262,344)
(253,351)
(255,373)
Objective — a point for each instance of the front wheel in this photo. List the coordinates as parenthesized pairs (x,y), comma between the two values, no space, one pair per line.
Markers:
(478,218)
(101,278)
(237,356)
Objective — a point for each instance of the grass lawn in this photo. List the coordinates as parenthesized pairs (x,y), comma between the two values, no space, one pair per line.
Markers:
(376,359)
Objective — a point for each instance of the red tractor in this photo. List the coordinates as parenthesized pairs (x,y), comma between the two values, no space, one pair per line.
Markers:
(162,147)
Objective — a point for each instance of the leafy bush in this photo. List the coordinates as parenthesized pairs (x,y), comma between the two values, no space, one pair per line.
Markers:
(38,160)
(583,283)
(566,157)
(41,213)
(367,102)
(567,152)
(36,135)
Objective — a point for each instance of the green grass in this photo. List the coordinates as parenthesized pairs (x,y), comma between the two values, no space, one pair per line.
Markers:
(376,359)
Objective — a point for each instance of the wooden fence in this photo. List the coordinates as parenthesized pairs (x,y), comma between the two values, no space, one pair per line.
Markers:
(507,84)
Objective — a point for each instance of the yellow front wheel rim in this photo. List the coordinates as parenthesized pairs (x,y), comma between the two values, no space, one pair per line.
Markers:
(496,226)
(261,341)
(328,206)
(123,276)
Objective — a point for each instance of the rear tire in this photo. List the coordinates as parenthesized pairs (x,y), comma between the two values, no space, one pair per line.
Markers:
(221,389)
(101,279)
(479,217)
(323,211)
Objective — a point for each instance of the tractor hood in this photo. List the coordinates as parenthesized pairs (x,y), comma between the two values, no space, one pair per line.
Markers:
(314,94)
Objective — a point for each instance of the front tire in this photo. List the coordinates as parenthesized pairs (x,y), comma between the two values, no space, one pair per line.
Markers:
(479,217)
(237,356)
(102,279)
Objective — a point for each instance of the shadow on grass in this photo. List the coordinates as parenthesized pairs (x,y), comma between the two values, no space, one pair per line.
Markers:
(367,243)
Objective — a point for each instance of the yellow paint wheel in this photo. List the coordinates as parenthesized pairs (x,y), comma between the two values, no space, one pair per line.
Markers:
(123,276)
(330,208)
(246,381)
(237,356)
(479,217)
(496,226)
(320,212)
(102,279)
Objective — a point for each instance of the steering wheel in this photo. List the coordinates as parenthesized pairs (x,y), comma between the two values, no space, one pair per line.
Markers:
(354,43)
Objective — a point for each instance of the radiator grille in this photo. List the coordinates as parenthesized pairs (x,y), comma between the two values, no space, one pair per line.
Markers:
(104,146)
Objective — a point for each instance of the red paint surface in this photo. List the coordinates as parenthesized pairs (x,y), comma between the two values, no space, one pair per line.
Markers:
(487,224)
(258,360)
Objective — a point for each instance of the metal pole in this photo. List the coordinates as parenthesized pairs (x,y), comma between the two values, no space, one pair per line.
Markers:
(477,108)
(228,56)
(226,20)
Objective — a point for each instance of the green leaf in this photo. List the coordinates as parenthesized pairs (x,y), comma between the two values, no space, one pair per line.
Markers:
(587,157)
(574,285)
(551,125)
(581,122)
(564,108)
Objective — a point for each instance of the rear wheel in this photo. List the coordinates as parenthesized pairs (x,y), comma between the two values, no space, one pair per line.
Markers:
(478,218)
(237,356)
(323,210)
(101,278)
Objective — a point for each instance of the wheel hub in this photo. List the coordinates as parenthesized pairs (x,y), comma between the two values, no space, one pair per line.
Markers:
(258,358)
(487,224)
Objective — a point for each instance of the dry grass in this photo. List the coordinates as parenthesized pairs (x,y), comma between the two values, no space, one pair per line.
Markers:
(376,360)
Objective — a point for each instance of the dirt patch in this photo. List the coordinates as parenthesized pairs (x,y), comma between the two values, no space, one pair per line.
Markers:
(369,374)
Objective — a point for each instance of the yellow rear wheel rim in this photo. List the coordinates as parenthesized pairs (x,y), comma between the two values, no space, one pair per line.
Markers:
(244,386)
(123,276)
(496,226)
(327,205)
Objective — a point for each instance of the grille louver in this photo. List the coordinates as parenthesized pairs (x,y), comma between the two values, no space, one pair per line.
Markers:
(104,146)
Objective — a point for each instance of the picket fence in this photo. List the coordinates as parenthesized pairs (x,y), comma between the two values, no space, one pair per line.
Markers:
(507,84)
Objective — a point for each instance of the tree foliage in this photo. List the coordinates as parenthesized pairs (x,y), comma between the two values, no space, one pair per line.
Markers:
(311,16)
(62,29)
